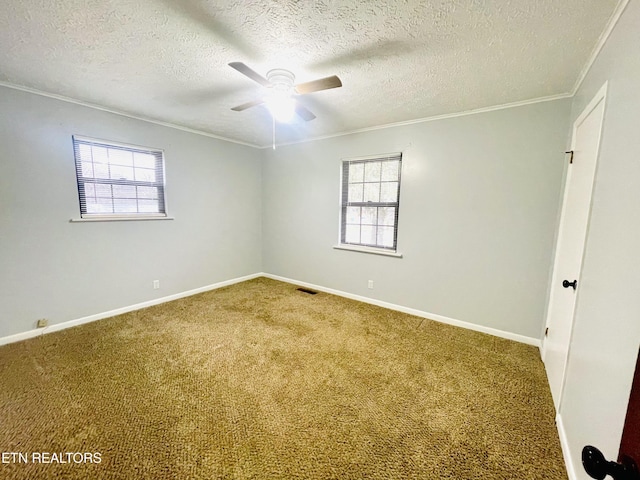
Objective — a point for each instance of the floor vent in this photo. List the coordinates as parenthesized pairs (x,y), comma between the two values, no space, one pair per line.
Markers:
(305,290)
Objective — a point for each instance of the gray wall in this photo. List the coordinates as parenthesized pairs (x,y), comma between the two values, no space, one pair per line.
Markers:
(606,332)
(51,268)
(478,210)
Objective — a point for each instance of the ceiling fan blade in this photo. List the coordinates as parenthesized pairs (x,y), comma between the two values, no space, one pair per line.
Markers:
(304,113)
(244,106)
(252,74)
(317,85)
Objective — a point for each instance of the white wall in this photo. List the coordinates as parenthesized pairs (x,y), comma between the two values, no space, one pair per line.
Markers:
(606,331)
(478,209)
(51,268)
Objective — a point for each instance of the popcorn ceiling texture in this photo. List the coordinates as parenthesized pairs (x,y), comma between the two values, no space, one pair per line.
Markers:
(167,59)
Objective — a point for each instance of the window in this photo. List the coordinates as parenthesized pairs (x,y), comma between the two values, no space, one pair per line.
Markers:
(119,181)
(370,200)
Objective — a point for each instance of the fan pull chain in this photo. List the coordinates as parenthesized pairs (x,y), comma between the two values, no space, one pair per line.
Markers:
(273,119)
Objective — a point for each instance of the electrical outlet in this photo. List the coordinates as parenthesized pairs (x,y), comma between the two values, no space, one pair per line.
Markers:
(370,284)
(43,322)
(156,284)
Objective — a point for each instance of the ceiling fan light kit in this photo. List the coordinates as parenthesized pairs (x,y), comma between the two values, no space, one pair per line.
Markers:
(279,99)
(281,108)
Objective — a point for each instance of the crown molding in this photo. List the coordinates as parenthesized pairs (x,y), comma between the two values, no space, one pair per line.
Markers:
(430,119)
(121,113)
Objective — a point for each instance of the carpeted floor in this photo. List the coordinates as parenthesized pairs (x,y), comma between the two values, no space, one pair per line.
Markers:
(261,381)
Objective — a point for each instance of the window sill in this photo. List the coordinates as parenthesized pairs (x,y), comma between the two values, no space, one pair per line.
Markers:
(118,219)
(375,251)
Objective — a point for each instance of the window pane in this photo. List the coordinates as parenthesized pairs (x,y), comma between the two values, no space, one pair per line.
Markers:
(386,216)
(371,192)
(100,154)
(91,207)
(144,160)
(148,192)
(85,153)
(125,205)
(389,192)
(369,215)
(385,236)
(100,170)
(390,170)
(352,234)
(100,205)
(87,169)
(356,172)
(103,190)
(353,214)
(124,191)
(145,175)
(355,192)
(89,190)
(119,172)
(368,235)
(372,172)
(120,157)
(148,206)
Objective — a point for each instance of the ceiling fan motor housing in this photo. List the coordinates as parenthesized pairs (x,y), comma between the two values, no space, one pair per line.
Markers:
(281,80)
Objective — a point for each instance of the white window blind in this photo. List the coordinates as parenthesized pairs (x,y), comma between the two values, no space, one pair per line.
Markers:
(370,201)
(118,180)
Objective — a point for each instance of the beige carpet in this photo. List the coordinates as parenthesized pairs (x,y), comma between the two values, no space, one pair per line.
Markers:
(260,381)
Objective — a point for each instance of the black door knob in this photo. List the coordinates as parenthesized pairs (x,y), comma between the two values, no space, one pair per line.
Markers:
(598,467)
(567,284)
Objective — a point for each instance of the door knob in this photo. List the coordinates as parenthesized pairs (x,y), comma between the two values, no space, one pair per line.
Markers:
(567,284)
(598,467)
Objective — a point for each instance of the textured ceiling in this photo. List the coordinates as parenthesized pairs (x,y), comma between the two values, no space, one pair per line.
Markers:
(166,60)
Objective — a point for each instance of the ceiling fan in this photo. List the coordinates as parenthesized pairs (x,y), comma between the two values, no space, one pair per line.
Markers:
(281,90)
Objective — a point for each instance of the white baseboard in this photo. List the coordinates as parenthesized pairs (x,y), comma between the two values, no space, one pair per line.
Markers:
(566,452)
(92,318)
(419,313)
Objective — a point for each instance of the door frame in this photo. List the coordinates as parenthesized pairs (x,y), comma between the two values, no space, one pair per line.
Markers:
(600,96)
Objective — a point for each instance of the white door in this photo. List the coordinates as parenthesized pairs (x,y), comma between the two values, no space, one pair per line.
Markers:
(574,220)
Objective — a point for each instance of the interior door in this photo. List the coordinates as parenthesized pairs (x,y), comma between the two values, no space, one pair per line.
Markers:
(576,206)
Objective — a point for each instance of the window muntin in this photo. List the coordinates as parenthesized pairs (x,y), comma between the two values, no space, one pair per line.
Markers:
(370,201)
(118,180)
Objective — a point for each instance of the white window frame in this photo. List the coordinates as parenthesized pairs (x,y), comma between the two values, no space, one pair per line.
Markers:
(344,204)
(158,183)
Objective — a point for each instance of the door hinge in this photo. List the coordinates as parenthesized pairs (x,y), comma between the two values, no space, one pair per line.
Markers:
(546,331)
(570,158)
